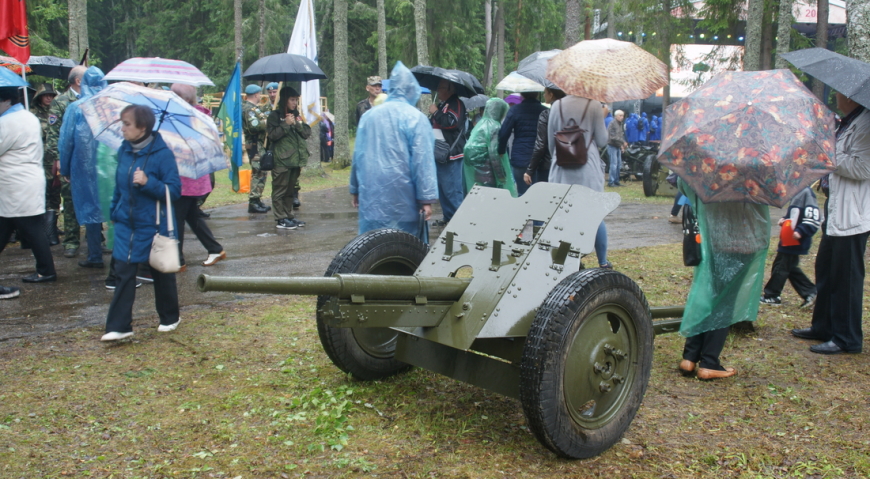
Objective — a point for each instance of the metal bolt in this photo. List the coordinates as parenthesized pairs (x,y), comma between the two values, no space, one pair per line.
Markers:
(598,368)
(605,387)
(618,379)
(466,306)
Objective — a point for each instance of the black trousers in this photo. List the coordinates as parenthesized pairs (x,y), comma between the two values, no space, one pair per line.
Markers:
(32,231)
(788,267)
(186,211)
(840,280)
(705,348)
(120,318)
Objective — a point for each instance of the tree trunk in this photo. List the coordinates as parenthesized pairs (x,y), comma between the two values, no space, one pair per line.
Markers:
(78,28)
(382,39)
(499,17)
(83,27)
(821,42)
(767,40)
(487,15)
(752,50)
(237,20)
(422,33)
(517,32)
(858,19)
(491,49)
(666,55)
(262,12)
(783,32)
(342,148)
(572,22)
(611,19)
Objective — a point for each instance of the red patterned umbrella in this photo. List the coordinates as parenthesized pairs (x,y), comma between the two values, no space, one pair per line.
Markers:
(752,137)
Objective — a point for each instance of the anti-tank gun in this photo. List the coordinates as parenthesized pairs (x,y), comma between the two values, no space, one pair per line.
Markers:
(502,301)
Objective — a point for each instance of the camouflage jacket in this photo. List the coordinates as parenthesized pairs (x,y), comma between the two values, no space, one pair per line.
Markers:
(287,142)
(253,126)
(42,112)
(55,119)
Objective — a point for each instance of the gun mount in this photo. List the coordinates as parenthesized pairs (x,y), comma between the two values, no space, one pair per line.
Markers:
(501,300)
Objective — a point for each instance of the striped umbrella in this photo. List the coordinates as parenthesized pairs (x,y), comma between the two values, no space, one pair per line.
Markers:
(158,70)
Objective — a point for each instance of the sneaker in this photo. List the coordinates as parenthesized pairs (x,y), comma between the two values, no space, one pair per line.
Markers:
(286,224)
(607,265)
(116,336)
(674,219)
(145,278)
(773,300)
(298,223)
(809,302)
(110,284)
(214,258)
(70,251)
(165,328)
(9,292)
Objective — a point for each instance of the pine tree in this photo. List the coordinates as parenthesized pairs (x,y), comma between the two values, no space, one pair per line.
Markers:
(342,112)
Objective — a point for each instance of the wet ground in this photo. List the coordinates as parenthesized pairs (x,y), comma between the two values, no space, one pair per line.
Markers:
(254,248)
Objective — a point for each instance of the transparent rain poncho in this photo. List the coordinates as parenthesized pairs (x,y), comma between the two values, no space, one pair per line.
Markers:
(393,167)
(482,164)
(79,157)
(727,283)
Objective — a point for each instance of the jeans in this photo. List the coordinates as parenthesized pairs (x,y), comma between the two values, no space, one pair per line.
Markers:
(520,181)
(94,236)
(615,154)
(675,210)
(450,190)
(601,244)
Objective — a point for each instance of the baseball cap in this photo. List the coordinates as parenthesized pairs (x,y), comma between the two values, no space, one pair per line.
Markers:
(374,80)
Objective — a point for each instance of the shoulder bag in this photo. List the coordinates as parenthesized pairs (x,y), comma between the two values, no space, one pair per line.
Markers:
(442,149)
(267,159)
(164,249)
(691,237)
(571,145)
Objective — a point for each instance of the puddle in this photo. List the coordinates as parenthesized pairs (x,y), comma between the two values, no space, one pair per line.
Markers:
(266,235)
(344,215)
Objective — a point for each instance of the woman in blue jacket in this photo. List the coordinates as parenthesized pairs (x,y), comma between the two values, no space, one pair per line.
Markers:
(146,166)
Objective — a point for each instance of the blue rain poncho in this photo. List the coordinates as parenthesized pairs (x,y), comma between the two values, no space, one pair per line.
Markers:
(482,164)
(393,169)
(727,284)
(78,153)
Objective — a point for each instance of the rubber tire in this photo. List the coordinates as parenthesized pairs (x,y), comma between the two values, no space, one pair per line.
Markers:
(384,251)
(542,370)
(650,175)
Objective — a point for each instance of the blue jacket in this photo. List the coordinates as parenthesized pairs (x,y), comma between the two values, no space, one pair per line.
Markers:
(133,207)
(522,121)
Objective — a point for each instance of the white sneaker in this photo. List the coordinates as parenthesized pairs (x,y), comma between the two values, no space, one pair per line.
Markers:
(116,336)
(165,328)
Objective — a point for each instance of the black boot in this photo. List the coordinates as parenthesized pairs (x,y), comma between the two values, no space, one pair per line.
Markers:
(296,203)
(256,208)
(263,205)
(51,227)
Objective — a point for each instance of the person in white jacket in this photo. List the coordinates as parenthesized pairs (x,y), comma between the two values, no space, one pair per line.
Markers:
(22,186)
(840,260)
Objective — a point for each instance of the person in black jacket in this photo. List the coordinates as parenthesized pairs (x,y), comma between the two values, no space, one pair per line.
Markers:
(522,122)
(803,213)
(539,166)
(448,121)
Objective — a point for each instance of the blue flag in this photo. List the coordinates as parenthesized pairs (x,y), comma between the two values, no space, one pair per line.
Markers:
(230,117)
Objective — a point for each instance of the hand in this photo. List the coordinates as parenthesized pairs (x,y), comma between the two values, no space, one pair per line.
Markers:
(780,222)
(427,210)
(290,119)
(354,201)
(139,177)
(432,108)
(527,178)
(796,235)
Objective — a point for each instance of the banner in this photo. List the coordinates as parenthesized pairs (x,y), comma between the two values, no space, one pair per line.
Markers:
(13,30)
(303,42)
(230,118)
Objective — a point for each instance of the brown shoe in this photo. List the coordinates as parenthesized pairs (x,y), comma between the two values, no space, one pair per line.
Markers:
(708,374)
(687,368)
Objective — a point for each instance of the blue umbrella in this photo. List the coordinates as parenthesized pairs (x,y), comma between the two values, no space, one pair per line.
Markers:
(9,79)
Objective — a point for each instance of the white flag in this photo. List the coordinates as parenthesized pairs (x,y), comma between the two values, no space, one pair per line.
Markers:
(303,42)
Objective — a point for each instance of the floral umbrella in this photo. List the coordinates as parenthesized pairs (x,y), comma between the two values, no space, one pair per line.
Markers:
(752,137)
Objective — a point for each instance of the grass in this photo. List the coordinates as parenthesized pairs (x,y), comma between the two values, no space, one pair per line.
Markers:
(244,390)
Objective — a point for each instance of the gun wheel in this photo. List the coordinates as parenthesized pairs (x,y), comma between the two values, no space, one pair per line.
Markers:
(650,175)
(367,353)
(586,363)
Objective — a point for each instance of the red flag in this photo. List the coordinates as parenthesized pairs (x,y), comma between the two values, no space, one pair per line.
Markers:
(13,29)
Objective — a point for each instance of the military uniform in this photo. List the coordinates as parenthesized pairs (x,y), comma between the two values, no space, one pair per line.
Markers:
(71,239)
(254,128)
(291,154)
(49,157)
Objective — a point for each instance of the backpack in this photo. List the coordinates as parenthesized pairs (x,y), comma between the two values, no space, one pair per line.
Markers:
(571,145)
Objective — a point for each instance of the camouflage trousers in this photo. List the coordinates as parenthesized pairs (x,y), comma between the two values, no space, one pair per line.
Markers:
(258,179)
(52,193)
(70,224)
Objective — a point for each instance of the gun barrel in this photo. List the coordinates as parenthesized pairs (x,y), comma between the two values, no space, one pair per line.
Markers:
(375,287)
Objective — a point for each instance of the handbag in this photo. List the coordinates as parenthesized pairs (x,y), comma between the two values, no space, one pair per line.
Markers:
(164,249)
(691,237)
(571,146)
(442,150)
(267,159)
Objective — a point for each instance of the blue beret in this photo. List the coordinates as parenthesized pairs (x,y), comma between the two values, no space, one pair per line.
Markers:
(251,89)
(272,86)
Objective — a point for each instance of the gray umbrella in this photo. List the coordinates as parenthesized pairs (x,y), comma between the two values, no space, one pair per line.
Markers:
(52,67)
(534,67)
(477,101)
(848,76)
(466,84)
(284,67)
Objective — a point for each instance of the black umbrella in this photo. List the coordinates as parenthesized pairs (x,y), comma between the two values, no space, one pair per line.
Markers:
(848,76)
(534,67)
(51,67)
(466,84)
(284,67)
(477,101)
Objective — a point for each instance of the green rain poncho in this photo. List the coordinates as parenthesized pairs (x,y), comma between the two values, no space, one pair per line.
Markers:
(482,164)
(727,283)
